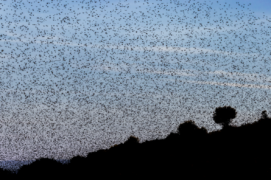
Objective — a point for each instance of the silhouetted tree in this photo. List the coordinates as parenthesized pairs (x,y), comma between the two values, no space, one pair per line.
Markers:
(224,115)
(264,115)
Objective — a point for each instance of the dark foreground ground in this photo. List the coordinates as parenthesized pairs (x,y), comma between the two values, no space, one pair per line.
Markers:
(232,153)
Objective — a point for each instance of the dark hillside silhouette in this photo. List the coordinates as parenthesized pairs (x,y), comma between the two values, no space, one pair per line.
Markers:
(233,152)
(69,68)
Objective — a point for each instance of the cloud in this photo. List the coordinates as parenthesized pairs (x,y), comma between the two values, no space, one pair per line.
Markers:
(244,77)
(176,50)
(230,84)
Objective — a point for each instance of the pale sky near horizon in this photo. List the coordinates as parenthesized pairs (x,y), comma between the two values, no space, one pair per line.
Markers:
(91,68)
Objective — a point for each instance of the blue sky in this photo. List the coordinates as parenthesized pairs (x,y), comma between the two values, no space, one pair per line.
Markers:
(136,62)
(163,31)
(206,42)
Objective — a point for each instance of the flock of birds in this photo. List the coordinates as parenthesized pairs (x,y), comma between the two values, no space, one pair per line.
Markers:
(87,69)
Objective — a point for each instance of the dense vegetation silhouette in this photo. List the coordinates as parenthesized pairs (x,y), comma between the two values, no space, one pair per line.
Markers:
(233,152)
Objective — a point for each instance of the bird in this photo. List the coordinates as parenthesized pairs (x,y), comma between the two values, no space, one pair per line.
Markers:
(89,50)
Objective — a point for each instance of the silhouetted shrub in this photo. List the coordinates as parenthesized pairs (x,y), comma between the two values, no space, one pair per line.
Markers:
(132,141)
(264,115)
(188,128)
